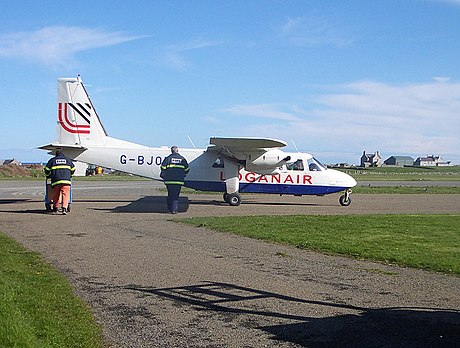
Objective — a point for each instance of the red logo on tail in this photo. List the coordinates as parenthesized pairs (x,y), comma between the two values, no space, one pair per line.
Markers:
(84,111)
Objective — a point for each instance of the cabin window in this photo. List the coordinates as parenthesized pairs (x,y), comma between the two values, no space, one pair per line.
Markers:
(297,165)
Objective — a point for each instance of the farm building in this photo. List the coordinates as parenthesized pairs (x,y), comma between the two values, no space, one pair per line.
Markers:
(431,161)
(371,160)
(399,161)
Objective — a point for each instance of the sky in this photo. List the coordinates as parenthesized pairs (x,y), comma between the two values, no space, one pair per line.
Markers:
(332,78)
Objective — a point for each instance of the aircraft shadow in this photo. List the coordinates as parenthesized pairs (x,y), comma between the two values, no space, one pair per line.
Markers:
(157,204)
(247,201)
(365,327)
(28,211)
(151,204)
(102,200)
(13,200)
(278,204)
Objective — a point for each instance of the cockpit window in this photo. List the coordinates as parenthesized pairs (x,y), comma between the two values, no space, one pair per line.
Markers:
(297,165)
(315,166)
(218,163)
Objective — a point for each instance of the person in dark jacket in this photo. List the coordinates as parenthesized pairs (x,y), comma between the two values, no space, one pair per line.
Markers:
(60,170)
(174,168)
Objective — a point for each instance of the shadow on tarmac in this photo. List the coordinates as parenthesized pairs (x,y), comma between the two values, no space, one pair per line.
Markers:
(13,200)
(366,327)
(157,204)
(151,204)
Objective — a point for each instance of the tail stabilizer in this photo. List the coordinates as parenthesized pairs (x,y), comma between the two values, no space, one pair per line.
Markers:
(77,120)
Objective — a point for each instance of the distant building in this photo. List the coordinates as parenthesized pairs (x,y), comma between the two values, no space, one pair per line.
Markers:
(431,161)
(399,161)
(371,160)
(10,161)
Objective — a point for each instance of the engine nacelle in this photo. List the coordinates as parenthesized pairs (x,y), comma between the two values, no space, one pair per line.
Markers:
(267,163)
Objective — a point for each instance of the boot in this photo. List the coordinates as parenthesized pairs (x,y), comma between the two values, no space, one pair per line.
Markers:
(175,206)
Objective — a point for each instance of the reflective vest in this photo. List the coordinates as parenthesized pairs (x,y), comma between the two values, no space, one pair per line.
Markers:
(174,168)
(60,169)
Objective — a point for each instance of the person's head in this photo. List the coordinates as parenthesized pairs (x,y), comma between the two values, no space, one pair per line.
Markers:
(58,152)
(174,149)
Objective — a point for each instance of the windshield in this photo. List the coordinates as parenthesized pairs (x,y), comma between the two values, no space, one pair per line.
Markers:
(315,166)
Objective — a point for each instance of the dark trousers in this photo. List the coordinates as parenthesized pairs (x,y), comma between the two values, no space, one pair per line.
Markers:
(173,197)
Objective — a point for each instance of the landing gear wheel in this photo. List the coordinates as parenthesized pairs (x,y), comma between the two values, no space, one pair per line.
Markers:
(226,197)
(345,199)
(234,199)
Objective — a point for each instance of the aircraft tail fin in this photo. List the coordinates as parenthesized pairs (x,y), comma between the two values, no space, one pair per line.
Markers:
(77,121)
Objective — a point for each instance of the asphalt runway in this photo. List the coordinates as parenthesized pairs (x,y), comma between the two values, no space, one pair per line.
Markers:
(156,283)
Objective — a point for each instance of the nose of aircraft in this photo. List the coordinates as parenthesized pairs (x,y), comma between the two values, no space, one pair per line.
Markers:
(345,180)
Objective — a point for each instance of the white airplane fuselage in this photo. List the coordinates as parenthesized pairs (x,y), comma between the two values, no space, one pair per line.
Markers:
(145,162)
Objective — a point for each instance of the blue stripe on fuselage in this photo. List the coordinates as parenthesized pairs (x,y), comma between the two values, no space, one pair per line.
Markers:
(285,189)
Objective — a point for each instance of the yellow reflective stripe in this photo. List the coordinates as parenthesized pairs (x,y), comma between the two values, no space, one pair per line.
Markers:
(61,182)
(61,167)
(174,166)
(174,182)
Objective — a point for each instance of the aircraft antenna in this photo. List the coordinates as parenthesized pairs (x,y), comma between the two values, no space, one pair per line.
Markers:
(190,139)
(295,146)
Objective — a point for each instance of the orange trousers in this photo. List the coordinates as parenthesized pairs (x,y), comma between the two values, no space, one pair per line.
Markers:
(58,191)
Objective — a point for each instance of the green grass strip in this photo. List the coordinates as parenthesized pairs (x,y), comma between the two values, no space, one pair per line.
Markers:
(37,306)
(406,190)
(429,242)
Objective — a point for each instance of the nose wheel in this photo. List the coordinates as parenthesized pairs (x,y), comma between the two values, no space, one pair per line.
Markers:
(345,199)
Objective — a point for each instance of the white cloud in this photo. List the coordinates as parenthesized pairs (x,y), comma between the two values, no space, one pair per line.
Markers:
(455,2)
(262,110)
(57,44)
(314,31)
(414,119)
(174,54)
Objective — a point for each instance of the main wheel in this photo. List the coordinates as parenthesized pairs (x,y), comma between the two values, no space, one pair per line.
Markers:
(234,199)
(344,200)
(227,197)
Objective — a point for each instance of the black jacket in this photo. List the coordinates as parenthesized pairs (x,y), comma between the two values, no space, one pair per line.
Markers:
(174,168)
(60,169)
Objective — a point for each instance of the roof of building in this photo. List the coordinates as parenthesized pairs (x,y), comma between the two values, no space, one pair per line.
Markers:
(401,158)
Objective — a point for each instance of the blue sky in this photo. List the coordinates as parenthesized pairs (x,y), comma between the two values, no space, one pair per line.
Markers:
(334,78)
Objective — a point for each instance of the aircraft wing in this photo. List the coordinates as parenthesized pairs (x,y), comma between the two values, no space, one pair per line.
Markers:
(238,148)
(244,144)
(260,155)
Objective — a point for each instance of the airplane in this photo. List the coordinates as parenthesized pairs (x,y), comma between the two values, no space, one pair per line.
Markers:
(231,165)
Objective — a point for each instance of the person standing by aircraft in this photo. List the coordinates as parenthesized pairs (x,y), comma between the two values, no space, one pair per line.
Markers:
(174,168)
(60,170)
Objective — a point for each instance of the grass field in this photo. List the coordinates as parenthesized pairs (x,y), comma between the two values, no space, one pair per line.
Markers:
(37,306)
(406,173)
(407,190)
(429,242)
